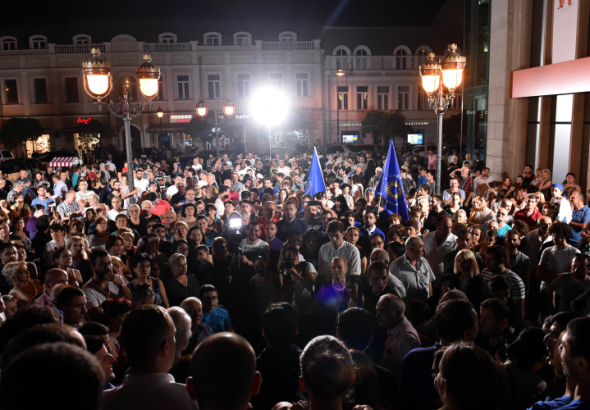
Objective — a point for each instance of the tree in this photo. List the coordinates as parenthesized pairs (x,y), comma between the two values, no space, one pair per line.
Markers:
(91,132)
(384,125)
(16,131)
(198,128)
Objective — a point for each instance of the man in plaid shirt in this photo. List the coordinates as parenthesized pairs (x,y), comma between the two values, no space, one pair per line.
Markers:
(466,184)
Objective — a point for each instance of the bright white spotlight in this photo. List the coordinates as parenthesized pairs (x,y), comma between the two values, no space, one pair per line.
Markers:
(269,106)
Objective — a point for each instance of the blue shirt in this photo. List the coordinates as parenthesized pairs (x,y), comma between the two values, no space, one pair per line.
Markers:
(582,216)
(261,193)
(38,201)
(218,320)
(366,234)
(554,404)
(286,229)
(421,180)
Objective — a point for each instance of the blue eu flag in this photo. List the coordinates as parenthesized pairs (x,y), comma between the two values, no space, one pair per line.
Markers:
(315,179)
(390,186)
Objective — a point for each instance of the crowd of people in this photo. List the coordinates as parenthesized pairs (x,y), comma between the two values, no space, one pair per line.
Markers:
(221,284)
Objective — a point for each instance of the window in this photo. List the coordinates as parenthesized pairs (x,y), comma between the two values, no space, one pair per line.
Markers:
(242,39)
(8,43)
(214,86)
(341,59)
(183,84)
(276,80)
(167,38)
(288,36)
(160,95)
(212,39)
(423,101)
(72,95)
(383,98)
(403,97)
(361,59)
(422,56)
(38,42)
(243,85)
(302,89)
(401,59)
(82,39)
(343,98)
(40,88)
(11,91)
(362,98)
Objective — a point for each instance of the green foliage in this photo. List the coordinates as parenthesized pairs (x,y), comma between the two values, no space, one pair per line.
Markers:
(91,133)
(385,125)
(198,128)
(18,130)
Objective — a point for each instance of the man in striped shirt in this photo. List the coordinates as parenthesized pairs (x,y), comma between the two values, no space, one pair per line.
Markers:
(495,260)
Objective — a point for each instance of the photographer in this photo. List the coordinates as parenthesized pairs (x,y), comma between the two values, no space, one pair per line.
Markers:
(299,278)
(234,231)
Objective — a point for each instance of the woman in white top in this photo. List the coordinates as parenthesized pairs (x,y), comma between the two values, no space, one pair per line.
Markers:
(481,213)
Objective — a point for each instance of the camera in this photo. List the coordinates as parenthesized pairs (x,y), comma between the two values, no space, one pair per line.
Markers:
(289,263)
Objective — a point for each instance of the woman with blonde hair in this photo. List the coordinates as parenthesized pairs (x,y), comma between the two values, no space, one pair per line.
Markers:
(180,231)
(25,289)
(459,221)
(178,284)
(78,246)
(467,270)
(121,269)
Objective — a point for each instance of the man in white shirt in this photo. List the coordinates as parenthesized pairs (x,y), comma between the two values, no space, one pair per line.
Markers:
(283,169)
(437,244)
(83,194)
(482,182)
(196,165)
(112,166)
(338,247)
(140,182)
(414,271)
(151,351)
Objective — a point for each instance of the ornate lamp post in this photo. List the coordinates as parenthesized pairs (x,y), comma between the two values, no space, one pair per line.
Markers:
(228,111)
(98,84)
(339,73)
(451,71)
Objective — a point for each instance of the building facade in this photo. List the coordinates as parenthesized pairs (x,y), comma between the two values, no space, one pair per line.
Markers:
(41,77)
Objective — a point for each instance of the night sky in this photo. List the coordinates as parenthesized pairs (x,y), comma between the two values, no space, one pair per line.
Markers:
(392,13)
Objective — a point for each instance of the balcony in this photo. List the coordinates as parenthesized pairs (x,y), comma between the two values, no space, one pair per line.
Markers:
(288,45)
(167,47)
(78,48)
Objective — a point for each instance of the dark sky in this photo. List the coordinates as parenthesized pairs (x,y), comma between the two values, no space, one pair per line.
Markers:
(327,12)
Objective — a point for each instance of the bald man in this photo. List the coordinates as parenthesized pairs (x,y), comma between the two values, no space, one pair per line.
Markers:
(222,361)
(414,271)
(52,277)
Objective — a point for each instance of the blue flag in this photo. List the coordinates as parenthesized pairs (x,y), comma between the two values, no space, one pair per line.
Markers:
(391,186)
(315,179)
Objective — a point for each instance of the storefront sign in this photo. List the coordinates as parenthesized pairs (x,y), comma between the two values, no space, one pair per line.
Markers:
(181,118)
(350,124)
(412,123)
(84,120)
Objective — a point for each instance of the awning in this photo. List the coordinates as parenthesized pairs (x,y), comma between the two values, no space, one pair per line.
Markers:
(65,162)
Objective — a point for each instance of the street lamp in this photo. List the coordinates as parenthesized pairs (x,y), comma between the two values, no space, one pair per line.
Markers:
(228,111)
(451,71)
(160,114)
(269,107)
(98,84)
(339,73)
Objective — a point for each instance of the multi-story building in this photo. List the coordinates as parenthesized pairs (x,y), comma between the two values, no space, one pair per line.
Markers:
(41,75)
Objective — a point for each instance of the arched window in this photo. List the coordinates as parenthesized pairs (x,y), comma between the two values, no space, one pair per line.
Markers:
(242,39)
(167,38)
(342,53)
(8,43)
(361,59)
(212,39)
(422,53)
(401,54)
(288,36)
(38,42)
(82,39)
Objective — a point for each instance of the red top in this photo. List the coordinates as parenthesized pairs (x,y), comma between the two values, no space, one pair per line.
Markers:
(531,220)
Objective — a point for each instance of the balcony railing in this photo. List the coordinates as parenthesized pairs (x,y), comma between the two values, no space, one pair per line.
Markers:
(78,48)
(167,47)
(288,45)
